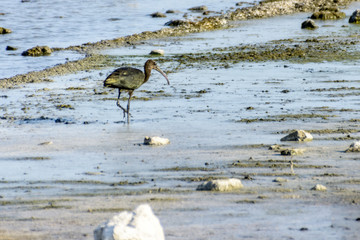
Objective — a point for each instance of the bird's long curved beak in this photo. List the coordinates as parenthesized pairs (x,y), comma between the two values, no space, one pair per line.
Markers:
(162,73)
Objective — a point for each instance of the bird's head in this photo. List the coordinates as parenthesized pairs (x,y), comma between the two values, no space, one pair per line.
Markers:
(151,64)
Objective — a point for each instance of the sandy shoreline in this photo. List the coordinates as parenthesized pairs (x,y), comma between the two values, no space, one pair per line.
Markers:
(66,170)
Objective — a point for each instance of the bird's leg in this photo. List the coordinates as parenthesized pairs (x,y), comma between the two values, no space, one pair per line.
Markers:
(128,106)
(118,103)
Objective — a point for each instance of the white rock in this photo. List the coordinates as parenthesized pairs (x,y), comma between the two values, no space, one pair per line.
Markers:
(354,147)
(319,187)
(299,136)
(141,224)
(221,185)
(157,52)
(156,141)
(280,180)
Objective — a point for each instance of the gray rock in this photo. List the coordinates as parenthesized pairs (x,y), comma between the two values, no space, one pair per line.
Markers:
(221,185)
(292,152)
(11,48)
(354,147)
(176,23)
(5,30)
(158,15)
(157,52)
(199,8)
(319,187)
(141,224)
(299,136)
(355,17)
(37,51)
(157,141)
(328,13)
(280,180)
(309,24)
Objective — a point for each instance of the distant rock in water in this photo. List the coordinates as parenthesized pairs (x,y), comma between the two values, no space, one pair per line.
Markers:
(310,24)
(170,11)
(198,8)
(175,23)
(37,51)
(355,17)
(299,136)
(328,13)
(158,15)
(11,48)
(5,30)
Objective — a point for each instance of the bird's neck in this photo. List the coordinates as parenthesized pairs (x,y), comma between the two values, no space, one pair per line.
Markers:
(147,72)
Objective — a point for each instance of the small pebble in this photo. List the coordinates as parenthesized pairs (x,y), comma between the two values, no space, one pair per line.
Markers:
(319,187)
(157,52)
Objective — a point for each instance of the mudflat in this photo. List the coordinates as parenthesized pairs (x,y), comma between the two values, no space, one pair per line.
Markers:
(69,161)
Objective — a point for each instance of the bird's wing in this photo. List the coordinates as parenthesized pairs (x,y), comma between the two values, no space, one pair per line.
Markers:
(125,78)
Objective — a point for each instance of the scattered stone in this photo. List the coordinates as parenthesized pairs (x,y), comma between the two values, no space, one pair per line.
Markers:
(158,15)
(299,136)
(280,180)
(93,173)
(355,17)
(10,48)
(354,147)
(309,24)
(157,52)
(319,187)
(292,152)
(170,11)
(221,185)
(276,148)
(141,224)
(5,30)
(176,23)
(328,13)
(37,51)
(157,141)
(198,8)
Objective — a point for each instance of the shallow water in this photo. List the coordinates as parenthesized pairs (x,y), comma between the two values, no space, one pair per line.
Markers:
(93,149)
(67,23)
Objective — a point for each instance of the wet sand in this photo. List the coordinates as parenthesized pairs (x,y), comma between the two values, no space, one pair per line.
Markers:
(69,161)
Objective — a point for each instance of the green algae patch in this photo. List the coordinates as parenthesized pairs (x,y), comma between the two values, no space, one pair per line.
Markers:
(64,106)
(285,117)
(37,158)
(202,179)
(105,210)
(276,164)
(186,169)
(33,202)
(74,88)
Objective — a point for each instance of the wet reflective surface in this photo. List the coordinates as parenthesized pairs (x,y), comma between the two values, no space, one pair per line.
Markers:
(66,142)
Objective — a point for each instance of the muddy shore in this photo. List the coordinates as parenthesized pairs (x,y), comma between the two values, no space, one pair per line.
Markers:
(69,161)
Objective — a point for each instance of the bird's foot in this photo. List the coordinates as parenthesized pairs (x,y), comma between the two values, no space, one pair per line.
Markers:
(126,112)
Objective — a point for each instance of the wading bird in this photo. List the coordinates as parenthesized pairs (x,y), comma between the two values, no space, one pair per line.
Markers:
(128,79)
